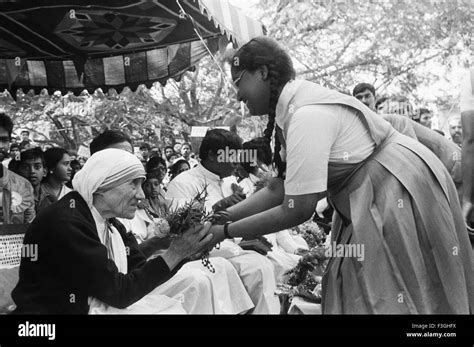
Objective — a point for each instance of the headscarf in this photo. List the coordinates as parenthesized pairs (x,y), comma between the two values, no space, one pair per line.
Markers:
(105,170)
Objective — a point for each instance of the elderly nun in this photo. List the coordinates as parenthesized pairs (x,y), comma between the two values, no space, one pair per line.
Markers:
(86,262)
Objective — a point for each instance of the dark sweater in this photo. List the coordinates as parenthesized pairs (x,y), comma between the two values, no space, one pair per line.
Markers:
(72,264)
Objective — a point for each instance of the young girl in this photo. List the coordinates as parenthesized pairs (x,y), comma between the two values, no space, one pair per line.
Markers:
(393,198)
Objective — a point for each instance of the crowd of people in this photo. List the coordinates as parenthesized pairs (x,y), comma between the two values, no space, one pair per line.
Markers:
(395,186)
(365,92)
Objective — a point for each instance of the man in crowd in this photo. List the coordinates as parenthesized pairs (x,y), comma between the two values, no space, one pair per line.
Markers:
(169,151)
(365,92)
(14,154)
(145,150)
(255,270)
(455,129)
(25,142)
(155,152)
(188,154)
(17,202)
(425,117)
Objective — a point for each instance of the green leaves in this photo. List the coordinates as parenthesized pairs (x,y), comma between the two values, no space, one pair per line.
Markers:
(388,43)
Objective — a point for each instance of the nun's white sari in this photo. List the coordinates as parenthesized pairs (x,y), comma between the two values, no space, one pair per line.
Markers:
(153,303)
(199,290)
(105,170)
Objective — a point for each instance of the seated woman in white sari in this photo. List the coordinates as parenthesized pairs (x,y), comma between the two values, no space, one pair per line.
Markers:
(199,290)
(87,262)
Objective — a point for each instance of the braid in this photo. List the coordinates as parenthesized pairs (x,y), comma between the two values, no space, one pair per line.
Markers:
(275,81)
(264,51)
(268,132)
(279,163)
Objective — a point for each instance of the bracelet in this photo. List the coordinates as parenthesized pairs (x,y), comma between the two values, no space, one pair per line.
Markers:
(226,230)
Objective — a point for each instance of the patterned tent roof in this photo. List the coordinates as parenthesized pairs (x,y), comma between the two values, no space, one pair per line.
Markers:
(75,45)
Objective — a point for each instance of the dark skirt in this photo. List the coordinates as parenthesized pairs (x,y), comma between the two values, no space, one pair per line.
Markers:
(400,206)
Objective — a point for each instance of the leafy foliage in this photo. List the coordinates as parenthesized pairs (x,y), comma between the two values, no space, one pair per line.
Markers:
(402,47)
(391,44)
(190,215)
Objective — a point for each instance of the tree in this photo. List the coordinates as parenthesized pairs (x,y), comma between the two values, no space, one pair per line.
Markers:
(206,97)
(389,43)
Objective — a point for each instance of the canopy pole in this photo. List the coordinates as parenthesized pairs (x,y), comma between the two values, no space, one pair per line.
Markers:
(202,40)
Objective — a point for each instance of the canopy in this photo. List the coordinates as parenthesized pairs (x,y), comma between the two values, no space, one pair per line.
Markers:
(75,45)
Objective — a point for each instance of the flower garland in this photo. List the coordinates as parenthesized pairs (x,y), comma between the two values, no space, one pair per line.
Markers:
(305,278)
(311,233)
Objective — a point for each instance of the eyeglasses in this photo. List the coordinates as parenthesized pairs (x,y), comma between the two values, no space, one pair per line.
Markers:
(237,80)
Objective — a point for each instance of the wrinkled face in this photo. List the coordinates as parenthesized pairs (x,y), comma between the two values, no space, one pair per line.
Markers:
(33,170)
(122,201)
(425,119)
(62,170)
(253,89)
(367,98)
(4,143)
(126,146)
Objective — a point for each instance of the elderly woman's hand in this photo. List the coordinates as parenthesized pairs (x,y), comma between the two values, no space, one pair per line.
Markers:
(189,243)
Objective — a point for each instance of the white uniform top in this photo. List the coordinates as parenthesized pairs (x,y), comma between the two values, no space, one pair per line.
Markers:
(317,135)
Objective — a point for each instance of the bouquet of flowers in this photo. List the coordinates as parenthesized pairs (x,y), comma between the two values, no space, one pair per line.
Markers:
(190,215)
(305,278)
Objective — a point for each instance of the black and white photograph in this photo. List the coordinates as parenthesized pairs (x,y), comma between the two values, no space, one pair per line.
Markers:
(187,168)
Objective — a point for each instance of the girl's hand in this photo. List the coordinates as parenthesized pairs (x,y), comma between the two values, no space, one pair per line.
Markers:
(221,217)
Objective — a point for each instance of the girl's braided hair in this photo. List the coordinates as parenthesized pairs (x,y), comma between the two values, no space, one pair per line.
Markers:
(264,51)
